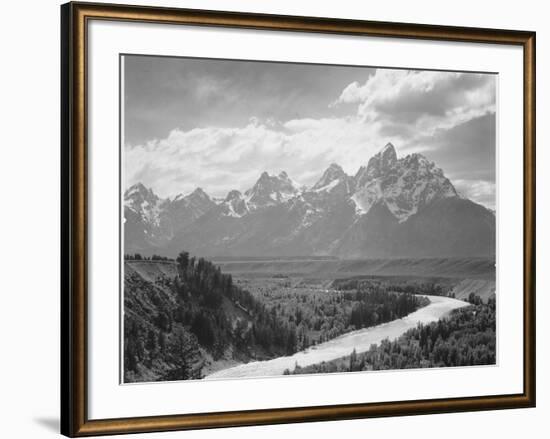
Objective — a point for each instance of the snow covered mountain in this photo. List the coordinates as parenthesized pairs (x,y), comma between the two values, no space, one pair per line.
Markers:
(405,186)
(143,202)
(393,207)
(334,179)
(235,205)
(270,190)
(151,222)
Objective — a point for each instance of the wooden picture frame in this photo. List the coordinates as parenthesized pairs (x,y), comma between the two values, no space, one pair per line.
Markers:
(75,18)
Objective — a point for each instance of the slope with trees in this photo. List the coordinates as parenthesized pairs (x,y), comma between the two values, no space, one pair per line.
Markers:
(186,318)
(467,337)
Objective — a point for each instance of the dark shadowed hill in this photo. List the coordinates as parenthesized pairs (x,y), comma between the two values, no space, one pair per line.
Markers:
(186,318)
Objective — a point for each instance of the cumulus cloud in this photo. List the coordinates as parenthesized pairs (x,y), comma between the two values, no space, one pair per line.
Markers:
(466,151)
(447,116)
(481,191)
(420,102)
(218,159)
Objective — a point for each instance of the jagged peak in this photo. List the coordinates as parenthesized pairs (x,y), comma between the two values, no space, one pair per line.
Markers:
(387,155)
(271,189)
(360,171)
(388,147)
(235,205)
(379,163)
(332,173)
(139,188)
(233,195)
(416,157)
(413,179)
(265,177)
(139,185)
(199,192)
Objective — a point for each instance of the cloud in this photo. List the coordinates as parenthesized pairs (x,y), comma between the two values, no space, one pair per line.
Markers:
(447,116)
(422,102)
(466,151)
(218,159)
(480,191)
(163,93)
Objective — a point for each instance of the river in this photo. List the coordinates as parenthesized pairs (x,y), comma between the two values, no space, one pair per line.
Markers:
(341,346)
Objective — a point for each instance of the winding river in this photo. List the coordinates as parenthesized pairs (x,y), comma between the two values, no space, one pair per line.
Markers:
(341,346)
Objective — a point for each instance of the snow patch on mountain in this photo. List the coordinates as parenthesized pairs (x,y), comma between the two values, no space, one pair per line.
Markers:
(334,179)
(277,215)
(235,205)
(143,202)
(328,187)
(405,185)
(270,190)
(333,173)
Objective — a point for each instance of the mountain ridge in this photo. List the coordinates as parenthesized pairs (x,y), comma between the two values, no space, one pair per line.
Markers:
(382,211)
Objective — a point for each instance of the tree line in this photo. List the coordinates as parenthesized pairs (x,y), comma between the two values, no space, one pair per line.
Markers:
(172,323)
(319,315)
(467,337)
(437,287)
(201,312)
(202,288)
(139,257)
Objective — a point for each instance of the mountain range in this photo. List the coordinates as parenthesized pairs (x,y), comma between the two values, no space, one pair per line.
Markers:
(391,208)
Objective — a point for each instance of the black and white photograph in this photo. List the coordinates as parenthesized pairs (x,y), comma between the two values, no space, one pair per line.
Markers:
(275,219)
(287,218)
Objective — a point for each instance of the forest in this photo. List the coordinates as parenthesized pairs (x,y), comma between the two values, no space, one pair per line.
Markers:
(432,287)
(321,314)
(175,327)
(465,338)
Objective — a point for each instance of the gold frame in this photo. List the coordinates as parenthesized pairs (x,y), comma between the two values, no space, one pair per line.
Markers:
(74,20)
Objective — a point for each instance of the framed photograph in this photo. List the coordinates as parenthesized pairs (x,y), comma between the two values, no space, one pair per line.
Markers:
(271,219)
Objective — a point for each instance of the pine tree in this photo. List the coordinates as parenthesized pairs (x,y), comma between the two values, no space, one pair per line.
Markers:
(352,360)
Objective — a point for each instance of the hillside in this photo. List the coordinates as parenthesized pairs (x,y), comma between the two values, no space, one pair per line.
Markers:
(185,319)
(484,288)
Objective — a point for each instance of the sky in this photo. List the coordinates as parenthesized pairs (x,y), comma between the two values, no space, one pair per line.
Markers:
(218,124)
